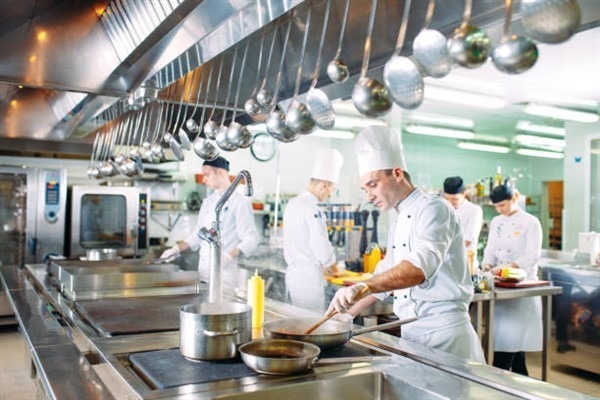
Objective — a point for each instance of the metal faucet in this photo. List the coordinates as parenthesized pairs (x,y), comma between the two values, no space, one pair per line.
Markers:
(213,237)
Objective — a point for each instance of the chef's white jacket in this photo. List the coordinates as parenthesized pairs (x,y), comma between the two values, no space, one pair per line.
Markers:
(470,219)
(426,233)
(517,239)
(238,229)
(307,251)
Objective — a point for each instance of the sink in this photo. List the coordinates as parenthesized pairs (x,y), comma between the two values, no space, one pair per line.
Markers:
(371,385)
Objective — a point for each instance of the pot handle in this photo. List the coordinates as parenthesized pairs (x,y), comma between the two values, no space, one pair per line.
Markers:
(388,325)
(220,333)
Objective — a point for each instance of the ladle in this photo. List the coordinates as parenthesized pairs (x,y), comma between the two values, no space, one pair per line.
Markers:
(275,122)
(430,48)
(337,70)
(190,124)
(167,136)
(550,21)
(92,170)
(211,127)
(221,136)
(298,117)
(202,146)
(514,54)
(468,46)
(251,106)
(237,134)
(181,133)
(401,75)
(317,101)
(264,97)
(370,97)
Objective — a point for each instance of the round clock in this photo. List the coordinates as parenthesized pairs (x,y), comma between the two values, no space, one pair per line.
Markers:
(264,147)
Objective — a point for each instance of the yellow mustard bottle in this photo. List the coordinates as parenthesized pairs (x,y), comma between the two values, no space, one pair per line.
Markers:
(256,299)
(375,258)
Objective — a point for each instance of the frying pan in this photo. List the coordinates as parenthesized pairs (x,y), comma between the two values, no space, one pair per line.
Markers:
(331,334)
(285,357)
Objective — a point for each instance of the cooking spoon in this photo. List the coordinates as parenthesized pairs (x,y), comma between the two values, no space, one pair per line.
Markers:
(298,117)
(221,136)
(181,133)
(550,21)
(92,170)
(430,48)
(514,54)
(251,106)
(167,136)
(370,97)
(317,101)
(264,97)
(190,124)
(211,127)
(202,146)
(401,75)
(468,46)
(237,134)
(337,70)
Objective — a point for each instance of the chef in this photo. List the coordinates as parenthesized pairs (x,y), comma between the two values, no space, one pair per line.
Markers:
(238,230)
(424,269)
(514,240)
(470,216)
(306,247)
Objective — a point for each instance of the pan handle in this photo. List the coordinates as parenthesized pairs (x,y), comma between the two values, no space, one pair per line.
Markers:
(220,333)
(382,327)
(347,360)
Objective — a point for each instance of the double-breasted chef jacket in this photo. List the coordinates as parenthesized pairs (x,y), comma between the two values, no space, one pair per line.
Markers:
(426,233)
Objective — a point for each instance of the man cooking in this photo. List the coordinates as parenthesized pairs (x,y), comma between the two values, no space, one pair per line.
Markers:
(425,266)
(306,247)
(470,216)
(238,230)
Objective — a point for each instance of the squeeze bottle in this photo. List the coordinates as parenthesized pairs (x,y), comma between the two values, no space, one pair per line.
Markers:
(256,299)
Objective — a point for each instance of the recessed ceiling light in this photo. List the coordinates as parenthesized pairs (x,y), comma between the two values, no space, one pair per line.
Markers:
(484,147)
(539,153)
(561,113)
(442,120)
(435,131)
(538,141)
(528,126)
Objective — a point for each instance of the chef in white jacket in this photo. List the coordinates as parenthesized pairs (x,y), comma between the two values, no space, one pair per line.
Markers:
(470,216)
(306,247)
(425,265)
(238,229)
(514,240)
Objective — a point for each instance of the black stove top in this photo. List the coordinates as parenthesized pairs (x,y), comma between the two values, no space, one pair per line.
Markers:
(163,369)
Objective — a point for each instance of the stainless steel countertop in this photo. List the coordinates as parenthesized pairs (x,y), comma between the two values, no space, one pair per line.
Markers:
(94,367)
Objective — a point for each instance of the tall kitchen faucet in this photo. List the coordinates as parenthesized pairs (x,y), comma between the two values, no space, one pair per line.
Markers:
(213,237)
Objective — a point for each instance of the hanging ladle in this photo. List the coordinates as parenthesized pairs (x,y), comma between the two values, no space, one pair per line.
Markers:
(264,97)
(251,106)
(468,46)
(370,97)
(211,127)
(337,70)
(202,146)
(317,101)
(514,54)
(168,138)
(550,21)
(237,134)
(430,48)
(221,136)
(401,75)
(181,133)
(190,124)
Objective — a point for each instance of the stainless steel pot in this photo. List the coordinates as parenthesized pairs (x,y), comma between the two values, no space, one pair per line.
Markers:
(213,331)
(101,254)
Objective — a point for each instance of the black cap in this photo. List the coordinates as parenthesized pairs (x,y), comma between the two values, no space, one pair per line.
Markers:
(218,162)
(501,193)
(454,185)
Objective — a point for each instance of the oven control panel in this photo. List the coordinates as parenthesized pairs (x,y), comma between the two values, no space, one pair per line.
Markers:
(52,196)
(143,209)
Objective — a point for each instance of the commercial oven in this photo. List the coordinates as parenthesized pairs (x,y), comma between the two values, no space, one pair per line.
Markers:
(108,217)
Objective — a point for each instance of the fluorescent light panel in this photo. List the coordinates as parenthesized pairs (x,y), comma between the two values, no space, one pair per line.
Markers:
(538,141)
(466,123)
(539,153)
(466,98)
(342,122)
(561,113)
(483,147)
(333,134)
(528,126)
(435,131)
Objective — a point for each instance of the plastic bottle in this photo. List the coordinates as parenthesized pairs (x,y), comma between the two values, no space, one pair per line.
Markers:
(498,177)
(256,299)
(374,258)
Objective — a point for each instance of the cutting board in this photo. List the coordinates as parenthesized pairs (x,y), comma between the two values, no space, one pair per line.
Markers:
(521,284)
(348,278)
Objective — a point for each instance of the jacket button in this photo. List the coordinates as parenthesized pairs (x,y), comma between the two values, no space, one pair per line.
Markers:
(395,297)
(404,244)
(408,216)
(405,296)
(393,247)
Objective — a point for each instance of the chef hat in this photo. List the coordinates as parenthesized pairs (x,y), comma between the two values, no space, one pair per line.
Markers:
(501,193)
(454,185)
(218,162)
(328,165)
(378,148)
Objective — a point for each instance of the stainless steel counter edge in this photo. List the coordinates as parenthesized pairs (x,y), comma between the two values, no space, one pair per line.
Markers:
(63,371)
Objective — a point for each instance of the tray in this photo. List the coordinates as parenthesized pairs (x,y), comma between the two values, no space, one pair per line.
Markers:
(521,284)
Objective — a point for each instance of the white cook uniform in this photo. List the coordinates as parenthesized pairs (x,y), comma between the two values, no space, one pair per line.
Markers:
(238,229)
(307,251)
(470,219)
(518,322)
(426,233)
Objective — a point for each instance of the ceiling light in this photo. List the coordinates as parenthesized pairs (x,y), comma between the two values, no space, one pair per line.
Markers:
(539,153)
(342,122)
(560,113)
(442,120)
(435,131)
(484,147)
(538,141)
(466,98)
(562,99)
(528,126)
(333,134)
